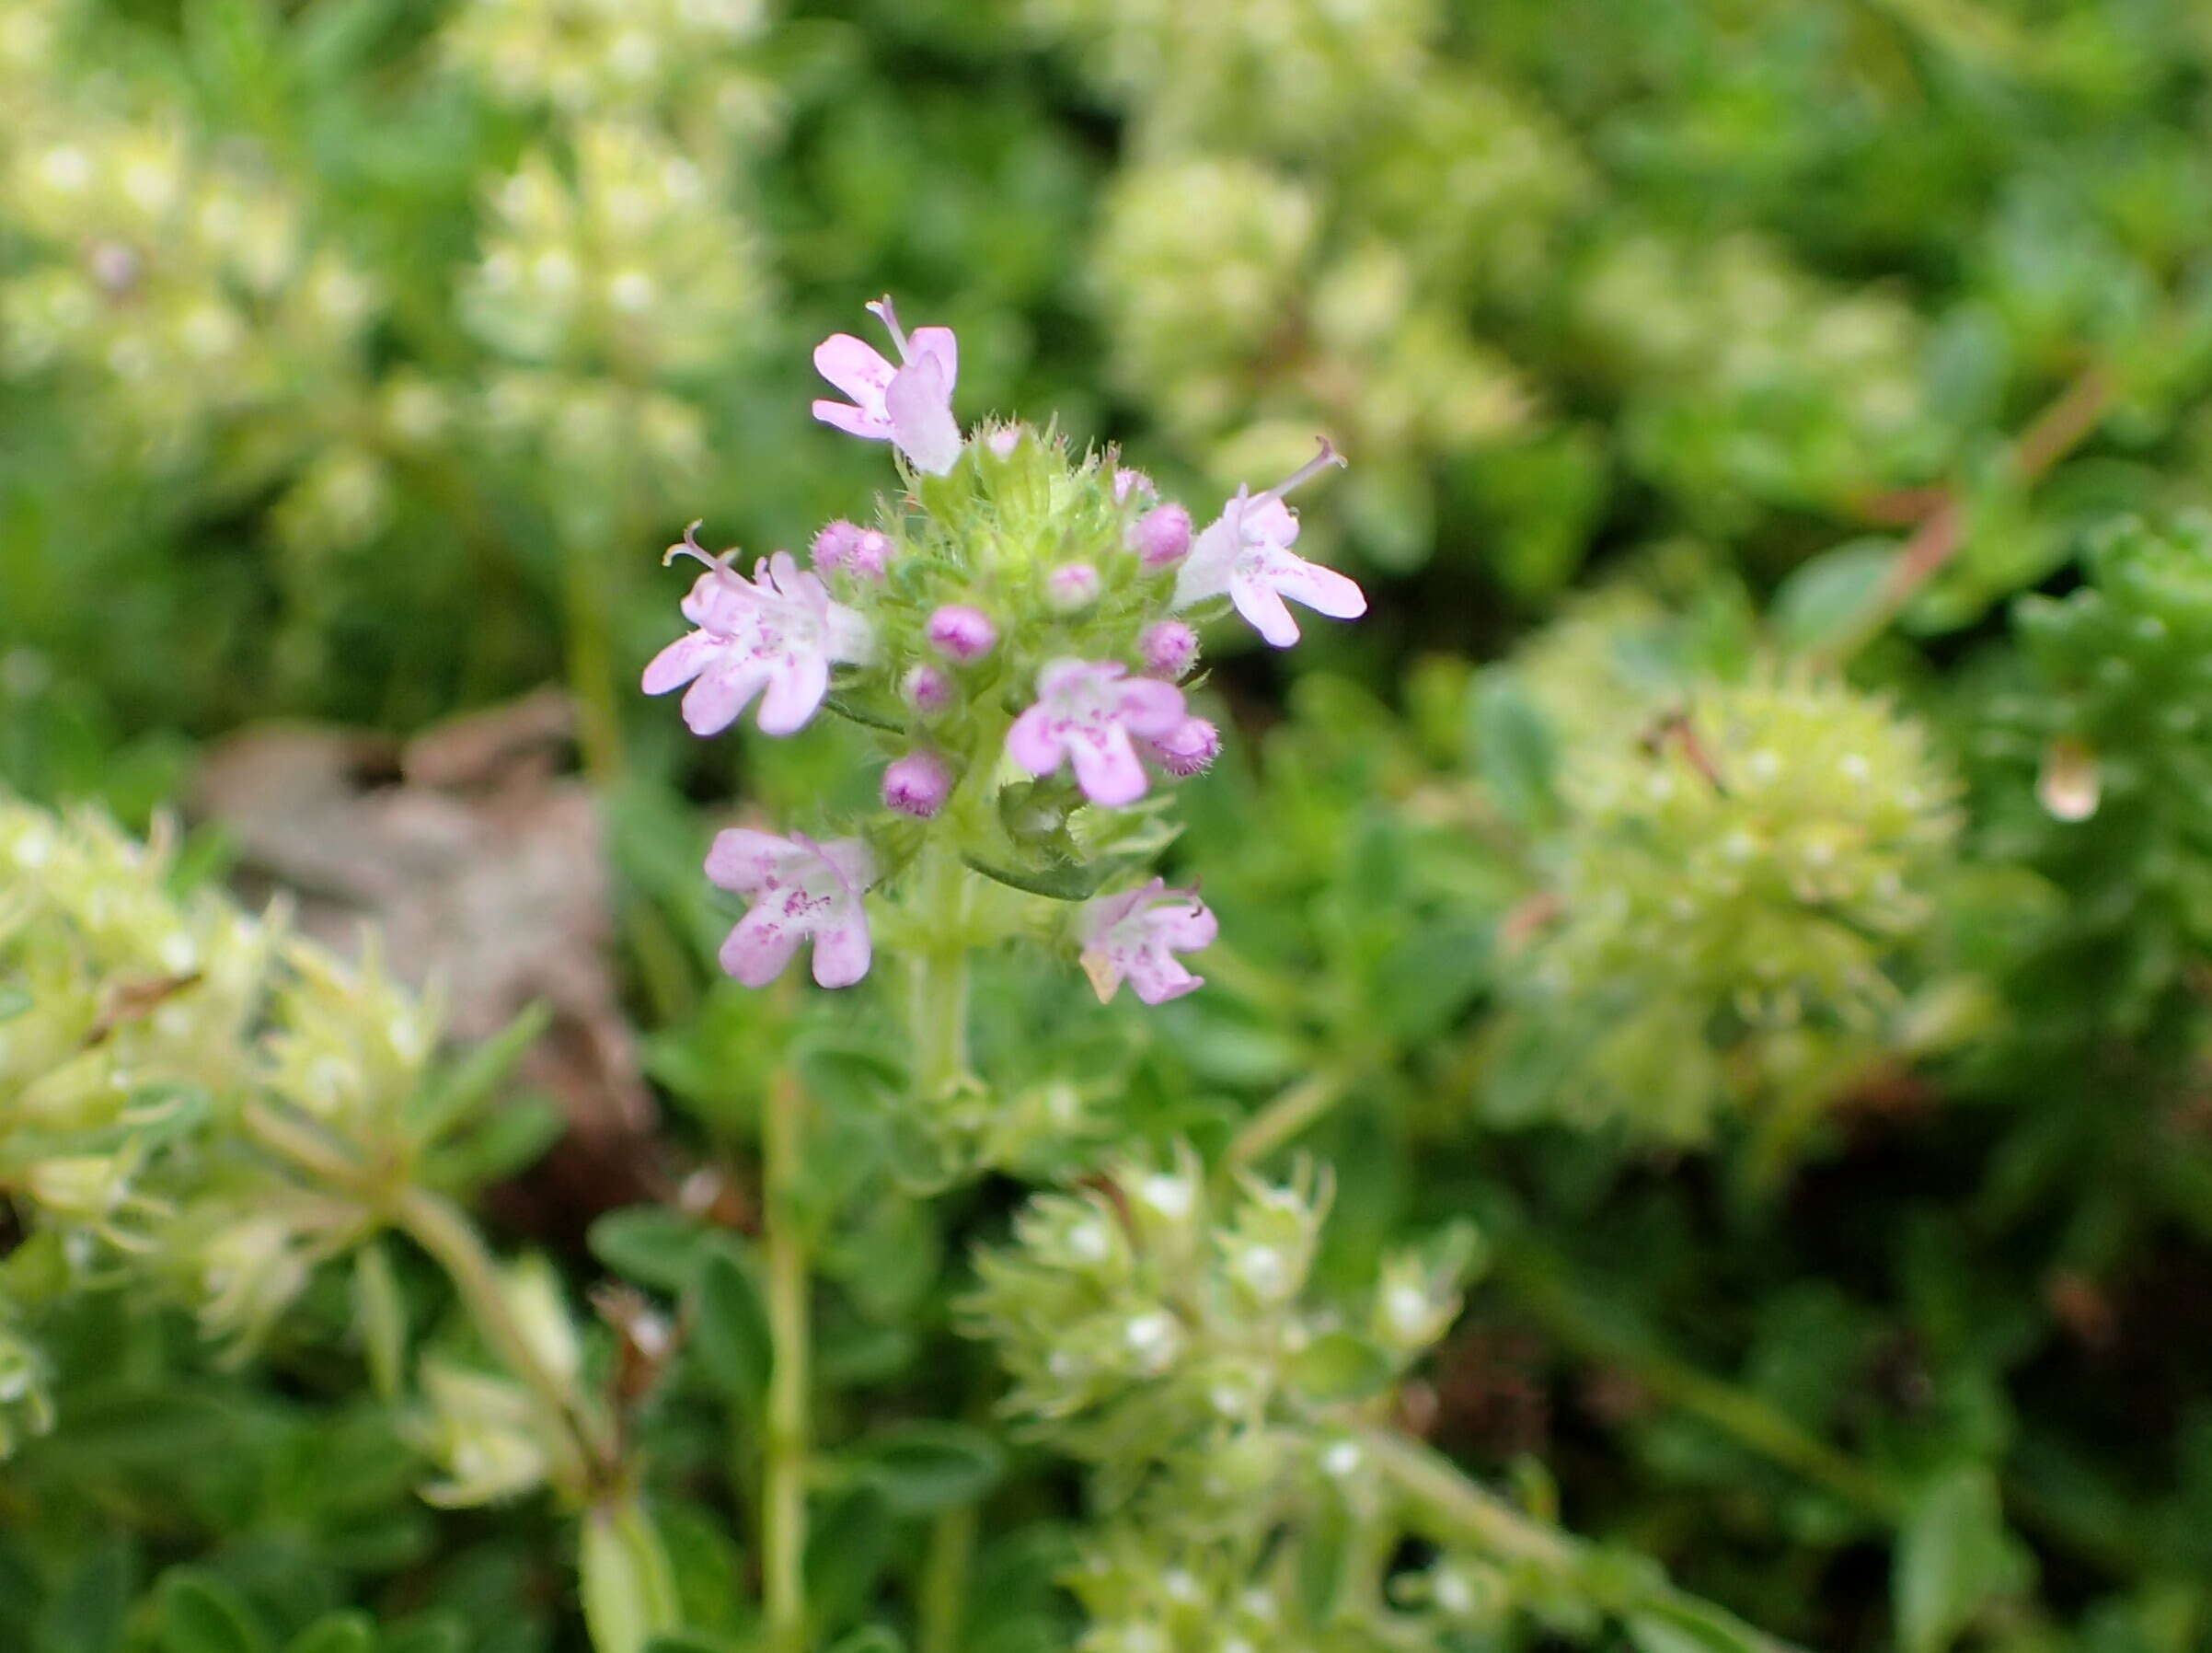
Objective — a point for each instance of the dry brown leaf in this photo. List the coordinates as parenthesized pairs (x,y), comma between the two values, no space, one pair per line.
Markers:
(482,864)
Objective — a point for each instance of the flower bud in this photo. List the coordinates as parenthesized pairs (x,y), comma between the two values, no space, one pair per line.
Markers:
(1004,441)
(1071,587)
(961,633)
(1167,648)
(1127,481)
(927,689)
(846,544)
(1189,748)
(917,784)
(1162,535)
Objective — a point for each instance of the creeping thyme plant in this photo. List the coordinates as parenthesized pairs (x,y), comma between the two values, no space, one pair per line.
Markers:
(1573,1017)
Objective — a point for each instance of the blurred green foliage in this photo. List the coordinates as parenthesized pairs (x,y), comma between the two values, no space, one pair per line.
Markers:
(1754,860)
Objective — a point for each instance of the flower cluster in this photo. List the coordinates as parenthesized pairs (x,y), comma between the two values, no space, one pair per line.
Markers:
(182,285)
(1781,835)
(1017,625)
(197,1100)
(1163,1332)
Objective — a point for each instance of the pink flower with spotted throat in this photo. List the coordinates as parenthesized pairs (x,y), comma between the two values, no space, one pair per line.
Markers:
(1246,553)
(801,890)
(1091,713)
(1136,935)
(776,636)
(909,406)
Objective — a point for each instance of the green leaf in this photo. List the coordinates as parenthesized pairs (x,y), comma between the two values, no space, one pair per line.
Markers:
(870,1638)
(380,1312)
(438,1632)
(1340,1366)
(652,1245)
(628,1588)
(1514,753)
(1671,1627)
(199,1613)
(86,1615)
(730,1326)
(444,1105)
(1954,1558)
(1068,881)
(846,1550)
(1828,596)
(346,1631)
(924,1467)
(13,1001)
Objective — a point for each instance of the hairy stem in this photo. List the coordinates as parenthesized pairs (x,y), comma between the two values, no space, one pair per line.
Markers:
(938,1030)
(437,1226)
(784,1469)
(1286,1116)
(1454,1510)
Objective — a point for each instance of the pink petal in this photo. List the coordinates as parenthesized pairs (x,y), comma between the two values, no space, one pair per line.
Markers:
(856,367)
(1260,604)
(796,685)
(1158,977)
(850,858)
(1151,708)
(919,403)
(1106,766)
(718,602)
(1323,590)
(1205,572)
(679,663)
(842,952)
(743,860)
(852,420)
(758,949)
(1060,676)
(939,343)
(722,691)
(1268,521)
(1034,743)
(1188,926)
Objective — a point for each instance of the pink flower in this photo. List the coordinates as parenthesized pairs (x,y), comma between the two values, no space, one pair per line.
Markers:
(927,689)
(1087,711)
(1246,553)
(1161,535)
(777,631)
(1168,647)
(909,406)
(848,545)
(1127,481)
(1188,750)
(1137,933)
(800,890)
(917,784)
(1071,586)
(962,633)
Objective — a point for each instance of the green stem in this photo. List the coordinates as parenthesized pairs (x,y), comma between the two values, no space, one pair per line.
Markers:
(1535,1280)
(437,1225)
(938,1027)
(1286,1116)
(1454,1510)
(942,1609)
(784,1469)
